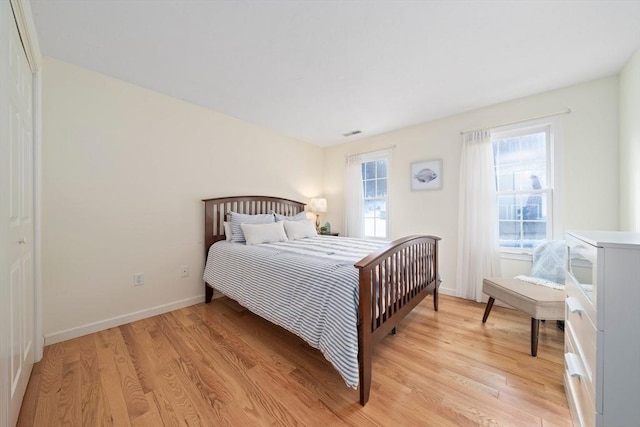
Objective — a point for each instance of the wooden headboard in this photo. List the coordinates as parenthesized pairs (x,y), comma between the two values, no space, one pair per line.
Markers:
(215,212)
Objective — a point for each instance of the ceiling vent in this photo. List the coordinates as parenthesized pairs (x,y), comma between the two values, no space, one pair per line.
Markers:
(353,132)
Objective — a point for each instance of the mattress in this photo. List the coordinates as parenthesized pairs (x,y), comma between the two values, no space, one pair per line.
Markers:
(307,286)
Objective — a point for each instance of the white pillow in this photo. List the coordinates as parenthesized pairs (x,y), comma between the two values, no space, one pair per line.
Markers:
(300,229)
(255,234)
(237,218)
(227,230)
(300,216)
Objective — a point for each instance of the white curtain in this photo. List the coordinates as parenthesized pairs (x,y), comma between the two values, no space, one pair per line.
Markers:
(353,203)
(478,243)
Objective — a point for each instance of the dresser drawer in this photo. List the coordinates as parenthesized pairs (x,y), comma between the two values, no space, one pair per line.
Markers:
(579,387)
(573,289)
(584,337)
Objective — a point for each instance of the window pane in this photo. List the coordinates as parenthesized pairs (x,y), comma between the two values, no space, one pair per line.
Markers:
(522,206)
(369,208)
(532,207)
(533,232)
(369,189)
(510,235)
(534,148)
(369,227)
(508,151)
(370,170)
(522,219)
(521,162)
(381,228)
(505,182)
(381,168)
(508,207)
(381,188)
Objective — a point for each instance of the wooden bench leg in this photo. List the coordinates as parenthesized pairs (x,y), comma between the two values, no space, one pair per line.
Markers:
(488,309)
(535,328)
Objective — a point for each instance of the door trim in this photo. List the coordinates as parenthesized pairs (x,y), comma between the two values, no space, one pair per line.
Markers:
(27,31)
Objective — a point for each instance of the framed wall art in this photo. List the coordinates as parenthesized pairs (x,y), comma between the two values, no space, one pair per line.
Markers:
(426,175)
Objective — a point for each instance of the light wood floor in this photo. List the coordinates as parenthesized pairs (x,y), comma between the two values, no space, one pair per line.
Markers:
(218,364)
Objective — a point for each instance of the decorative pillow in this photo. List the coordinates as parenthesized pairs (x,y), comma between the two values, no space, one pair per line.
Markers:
(300,229)
(237,218)
(227,230)
(300,216)
(550,261)
(264,233)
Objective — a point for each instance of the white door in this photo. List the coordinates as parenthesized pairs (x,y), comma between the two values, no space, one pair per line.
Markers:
(17,220)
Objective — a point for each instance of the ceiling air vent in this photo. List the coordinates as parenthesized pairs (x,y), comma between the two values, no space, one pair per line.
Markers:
(353,132)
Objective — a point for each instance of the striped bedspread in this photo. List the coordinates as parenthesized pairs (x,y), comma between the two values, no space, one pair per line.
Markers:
(307,286)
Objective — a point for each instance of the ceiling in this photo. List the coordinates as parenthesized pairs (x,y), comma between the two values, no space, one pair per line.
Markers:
(316,70)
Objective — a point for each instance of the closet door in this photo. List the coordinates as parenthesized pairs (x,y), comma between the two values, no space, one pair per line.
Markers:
(17,297)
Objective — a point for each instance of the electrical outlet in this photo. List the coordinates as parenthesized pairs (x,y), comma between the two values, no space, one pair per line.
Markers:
(184,271)
(138,279)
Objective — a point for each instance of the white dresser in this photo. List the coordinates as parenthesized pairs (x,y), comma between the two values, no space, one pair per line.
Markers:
(602,328)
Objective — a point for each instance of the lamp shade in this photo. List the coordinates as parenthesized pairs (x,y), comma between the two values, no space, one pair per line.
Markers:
(318,205)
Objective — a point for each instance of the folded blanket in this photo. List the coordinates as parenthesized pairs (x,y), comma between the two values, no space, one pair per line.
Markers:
(550,261)
(541,282)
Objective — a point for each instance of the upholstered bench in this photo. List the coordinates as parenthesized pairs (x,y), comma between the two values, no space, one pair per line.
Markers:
(539,302)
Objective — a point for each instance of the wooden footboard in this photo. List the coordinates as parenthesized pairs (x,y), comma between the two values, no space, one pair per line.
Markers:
(392,282)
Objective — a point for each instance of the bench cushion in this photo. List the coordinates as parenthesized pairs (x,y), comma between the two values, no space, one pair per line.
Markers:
(540,302)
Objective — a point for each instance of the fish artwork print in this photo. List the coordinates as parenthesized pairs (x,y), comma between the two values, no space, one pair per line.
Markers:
(426,175)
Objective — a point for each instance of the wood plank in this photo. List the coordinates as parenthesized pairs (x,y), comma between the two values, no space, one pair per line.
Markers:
(139,358)
(50,382)
(30,401)
(173,393)
(218,364)
(112,395)
(69,402)
(130,385)
(152,417)
(94,412)
(88,355)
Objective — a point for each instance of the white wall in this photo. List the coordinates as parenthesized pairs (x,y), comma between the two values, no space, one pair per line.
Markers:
(630,145)
(124,170)
(590,151)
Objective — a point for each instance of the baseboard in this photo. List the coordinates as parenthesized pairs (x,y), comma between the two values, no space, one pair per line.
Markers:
(447,291)
(452,292)
(102,325)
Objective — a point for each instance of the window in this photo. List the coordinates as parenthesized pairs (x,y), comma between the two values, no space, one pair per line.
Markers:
(374,190)
(524,185)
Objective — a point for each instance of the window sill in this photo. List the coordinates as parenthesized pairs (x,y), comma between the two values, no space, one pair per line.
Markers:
(521,255)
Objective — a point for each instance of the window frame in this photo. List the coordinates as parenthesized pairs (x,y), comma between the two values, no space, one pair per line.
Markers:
(553,189)
(369,158)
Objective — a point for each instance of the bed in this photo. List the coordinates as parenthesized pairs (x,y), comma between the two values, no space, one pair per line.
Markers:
(366,287)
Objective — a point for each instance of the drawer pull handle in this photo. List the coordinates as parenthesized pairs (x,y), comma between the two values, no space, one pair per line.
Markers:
(574,306)
(574,367)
